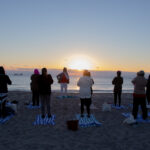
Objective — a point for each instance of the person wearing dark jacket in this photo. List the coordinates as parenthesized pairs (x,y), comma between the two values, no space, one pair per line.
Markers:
(148,90)
(4,81)
(35,87)
(117,82)
(45,81)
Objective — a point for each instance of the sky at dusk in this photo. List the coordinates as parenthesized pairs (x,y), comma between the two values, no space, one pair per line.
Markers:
(100,34)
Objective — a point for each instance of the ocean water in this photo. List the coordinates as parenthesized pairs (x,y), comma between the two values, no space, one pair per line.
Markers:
(102,81)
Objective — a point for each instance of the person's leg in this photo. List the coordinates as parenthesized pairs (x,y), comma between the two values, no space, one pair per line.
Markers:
(33,98)
(65,87)
(48,98)
(88,103)
(42,99)
(82,106)
(61,87)
(143,107)
(37,99)
(119,98)
(135,107)
(115,98)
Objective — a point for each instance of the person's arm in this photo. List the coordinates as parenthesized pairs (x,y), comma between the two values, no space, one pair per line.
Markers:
(50,79)
(78,83)
(113,81)
(122,81)
(133,81)
(9,81)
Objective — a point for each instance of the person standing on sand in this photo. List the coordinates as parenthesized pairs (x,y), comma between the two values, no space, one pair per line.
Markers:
(34,87)
(117,82)
(148,90)
(45,81)
(4,81)
(85,83)
(63,79)
(139,96)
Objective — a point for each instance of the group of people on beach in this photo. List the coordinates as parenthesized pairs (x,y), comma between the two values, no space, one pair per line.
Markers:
(41,90)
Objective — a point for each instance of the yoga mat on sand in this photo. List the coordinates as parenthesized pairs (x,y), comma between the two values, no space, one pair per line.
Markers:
(118,107)
(30,106)
(87,121)
(139,117)
(3,120)
(63,97)
(44,121)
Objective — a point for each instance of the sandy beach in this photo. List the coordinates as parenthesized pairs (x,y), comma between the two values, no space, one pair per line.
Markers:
(19,133)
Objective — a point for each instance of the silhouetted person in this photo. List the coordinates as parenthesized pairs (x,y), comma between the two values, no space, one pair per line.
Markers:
(63,79)
(35,87)
(45,81)
(117,82)
(148,90)
(4,81)
(85,83)
(139,96)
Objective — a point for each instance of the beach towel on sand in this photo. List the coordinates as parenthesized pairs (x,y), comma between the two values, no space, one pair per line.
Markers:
(30,106)
(3,120)
(63,97)
(44,121)
(87,121)
(139,117)
(118,107)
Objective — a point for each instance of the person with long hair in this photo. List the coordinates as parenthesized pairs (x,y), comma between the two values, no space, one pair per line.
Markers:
(117,82)
(139,95)
(63,79)
(45,81)
(85,83)
(4,81)
(35,87)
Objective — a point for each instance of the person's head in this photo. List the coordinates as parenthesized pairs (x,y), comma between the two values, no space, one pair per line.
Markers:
(36,71)
(2,71)
(88,74)
(141,73)
(118,73)
(65,69)
(44,71)
(85,73)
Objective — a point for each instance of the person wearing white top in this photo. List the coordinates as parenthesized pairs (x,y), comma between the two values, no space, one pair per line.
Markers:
(139,95)
(85,83)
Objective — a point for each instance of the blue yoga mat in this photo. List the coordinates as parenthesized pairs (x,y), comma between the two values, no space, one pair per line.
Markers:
(3,120)
(87,121)
(44,121)
(139,117)
(63,97)
(30,106)
(118,107)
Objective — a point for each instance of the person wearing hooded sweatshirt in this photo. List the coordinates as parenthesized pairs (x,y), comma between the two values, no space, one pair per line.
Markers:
(139,96)
(85,83)
(35,87)
(4,81)
(45,81)
(63,79)
(148,90)
(117,82)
